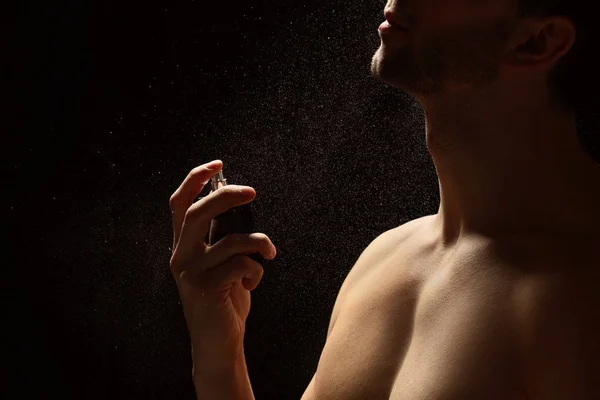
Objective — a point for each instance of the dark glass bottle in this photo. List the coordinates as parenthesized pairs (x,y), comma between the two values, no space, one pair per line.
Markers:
(235,220)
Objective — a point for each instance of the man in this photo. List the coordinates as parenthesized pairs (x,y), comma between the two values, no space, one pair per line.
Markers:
(497,296)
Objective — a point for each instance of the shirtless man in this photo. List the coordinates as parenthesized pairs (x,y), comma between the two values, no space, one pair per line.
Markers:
(497,296)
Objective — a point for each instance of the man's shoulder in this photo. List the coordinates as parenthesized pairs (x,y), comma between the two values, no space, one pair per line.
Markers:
(372,257)
(384,246)
(400,234)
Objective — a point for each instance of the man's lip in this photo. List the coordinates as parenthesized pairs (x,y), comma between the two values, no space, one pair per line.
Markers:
(389,17)
(393,25)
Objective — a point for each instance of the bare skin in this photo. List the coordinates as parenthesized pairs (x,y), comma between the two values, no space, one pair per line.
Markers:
(508,161)
(512,320)
(497,296)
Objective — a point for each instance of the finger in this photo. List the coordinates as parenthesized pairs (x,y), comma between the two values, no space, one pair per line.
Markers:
(238,268)
(238,244)
(189,189)
(197,218)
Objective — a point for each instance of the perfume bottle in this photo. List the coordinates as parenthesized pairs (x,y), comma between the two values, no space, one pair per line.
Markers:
(235,220)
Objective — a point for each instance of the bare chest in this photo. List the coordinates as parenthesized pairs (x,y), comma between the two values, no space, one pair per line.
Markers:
(442,335)
(468,327)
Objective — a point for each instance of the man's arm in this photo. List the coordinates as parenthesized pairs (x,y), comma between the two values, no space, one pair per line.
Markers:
(378,248)
(230,384)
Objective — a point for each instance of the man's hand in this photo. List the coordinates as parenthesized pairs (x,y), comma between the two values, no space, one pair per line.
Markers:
(214,282)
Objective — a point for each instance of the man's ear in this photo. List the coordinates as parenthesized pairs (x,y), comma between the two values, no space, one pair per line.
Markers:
(540,41)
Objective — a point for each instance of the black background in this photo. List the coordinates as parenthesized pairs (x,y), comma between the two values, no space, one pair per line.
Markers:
(109,106)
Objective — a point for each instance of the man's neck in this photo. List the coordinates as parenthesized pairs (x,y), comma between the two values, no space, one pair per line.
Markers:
(518,168)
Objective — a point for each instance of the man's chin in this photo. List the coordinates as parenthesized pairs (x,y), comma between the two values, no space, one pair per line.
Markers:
(388,78)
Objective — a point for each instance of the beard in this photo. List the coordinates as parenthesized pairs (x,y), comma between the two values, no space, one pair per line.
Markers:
(462,57)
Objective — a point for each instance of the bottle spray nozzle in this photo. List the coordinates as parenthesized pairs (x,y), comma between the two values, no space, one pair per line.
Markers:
(218,181)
